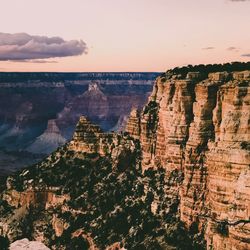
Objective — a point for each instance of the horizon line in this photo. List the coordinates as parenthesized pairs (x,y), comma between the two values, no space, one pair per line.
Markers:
(80,72)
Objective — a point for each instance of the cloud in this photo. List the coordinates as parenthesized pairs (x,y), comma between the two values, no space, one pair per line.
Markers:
(34,61)
(208,48)
(238,0)
(246,55)
(42,61)
(231,48)
(22,46)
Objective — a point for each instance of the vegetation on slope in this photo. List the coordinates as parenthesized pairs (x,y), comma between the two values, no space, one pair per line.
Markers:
(108,204)
(206,69)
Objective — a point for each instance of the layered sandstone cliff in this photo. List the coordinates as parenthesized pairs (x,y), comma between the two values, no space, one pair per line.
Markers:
(89,138)
(177,179)
(201,129)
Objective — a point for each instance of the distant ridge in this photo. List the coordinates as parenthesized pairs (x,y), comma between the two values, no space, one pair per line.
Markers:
(58,77)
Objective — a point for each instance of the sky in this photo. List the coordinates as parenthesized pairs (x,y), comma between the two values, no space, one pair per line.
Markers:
(121,35)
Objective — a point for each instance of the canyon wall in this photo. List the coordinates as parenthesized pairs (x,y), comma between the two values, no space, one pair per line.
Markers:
(200,128)
(177,177)
(39,111)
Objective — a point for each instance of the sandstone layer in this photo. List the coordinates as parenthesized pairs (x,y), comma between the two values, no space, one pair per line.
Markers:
(201,129)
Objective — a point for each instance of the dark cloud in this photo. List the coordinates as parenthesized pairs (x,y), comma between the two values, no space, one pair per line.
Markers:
(22,46)
(239,0)
(208,48)
(246,55)
(231,48)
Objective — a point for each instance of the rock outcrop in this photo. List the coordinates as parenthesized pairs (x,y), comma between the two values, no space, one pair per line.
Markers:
(178,177)
(89,138)
(25,244)
(86,137)
(133,125)
(201,129)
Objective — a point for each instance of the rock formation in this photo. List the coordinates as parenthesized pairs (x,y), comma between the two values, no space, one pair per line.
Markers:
(201,128)
(133,125)
(89,138)
(86,137)
(26,244)
(178,178)
(29,102)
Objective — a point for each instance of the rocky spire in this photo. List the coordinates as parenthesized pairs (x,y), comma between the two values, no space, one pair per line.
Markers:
(86,136)
(133,124)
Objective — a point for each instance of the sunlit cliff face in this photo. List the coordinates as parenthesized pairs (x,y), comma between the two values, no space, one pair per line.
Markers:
(200,128)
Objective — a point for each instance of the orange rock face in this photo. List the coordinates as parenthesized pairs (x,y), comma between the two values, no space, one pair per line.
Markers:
(87,237)
(115,246)
(43,199)
(89,138)
(85,137)
(133,124)
(201,129)
(228,160)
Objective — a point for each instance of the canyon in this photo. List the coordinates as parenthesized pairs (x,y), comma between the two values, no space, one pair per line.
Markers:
(176,178)
(39,111)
